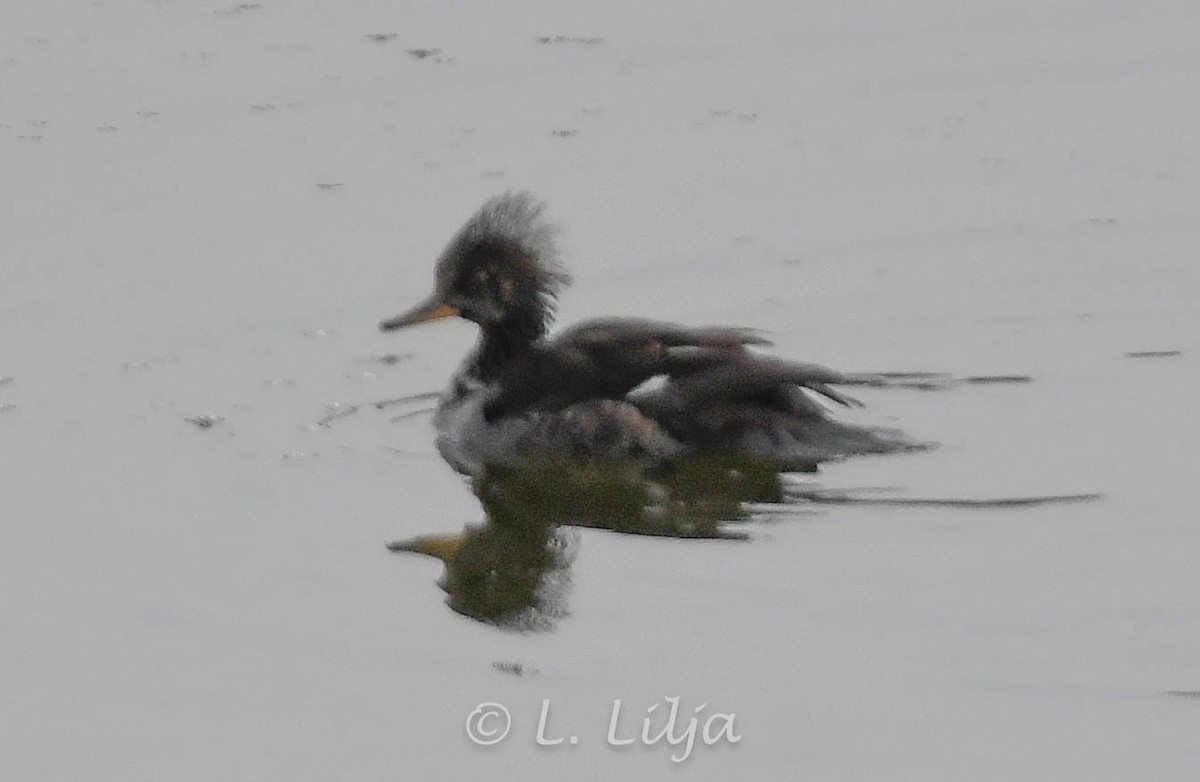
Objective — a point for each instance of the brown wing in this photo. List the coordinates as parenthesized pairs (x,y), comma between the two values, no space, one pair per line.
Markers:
(608,358)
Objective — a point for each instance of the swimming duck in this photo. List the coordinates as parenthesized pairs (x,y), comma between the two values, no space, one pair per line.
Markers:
(635,393)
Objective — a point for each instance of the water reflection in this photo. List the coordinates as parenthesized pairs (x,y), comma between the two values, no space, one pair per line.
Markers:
(513,570)
(517,578)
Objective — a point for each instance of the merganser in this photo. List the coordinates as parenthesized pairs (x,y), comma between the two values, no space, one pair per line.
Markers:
(523,396)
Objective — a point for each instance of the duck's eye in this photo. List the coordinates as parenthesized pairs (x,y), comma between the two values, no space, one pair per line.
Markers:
(478,281)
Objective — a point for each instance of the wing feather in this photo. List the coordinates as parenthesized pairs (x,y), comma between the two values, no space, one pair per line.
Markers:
(607,358)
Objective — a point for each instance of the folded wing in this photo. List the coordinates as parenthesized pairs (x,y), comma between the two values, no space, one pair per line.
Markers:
(713,394)
(606,359)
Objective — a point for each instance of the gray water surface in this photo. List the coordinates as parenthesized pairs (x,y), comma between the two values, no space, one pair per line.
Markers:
(209,207)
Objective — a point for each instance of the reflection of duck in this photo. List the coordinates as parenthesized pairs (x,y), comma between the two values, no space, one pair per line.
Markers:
(512,576)
(523,397)
(513,570)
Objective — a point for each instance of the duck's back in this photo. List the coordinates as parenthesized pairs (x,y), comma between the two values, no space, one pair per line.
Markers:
(584,395)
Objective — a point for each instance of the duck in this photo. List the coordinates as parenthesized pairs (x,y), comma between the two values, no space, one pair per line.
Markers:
(635,395)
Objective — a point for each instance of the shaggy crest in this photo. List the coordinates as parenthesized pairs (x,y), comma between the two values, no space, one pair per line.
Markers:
(517,218)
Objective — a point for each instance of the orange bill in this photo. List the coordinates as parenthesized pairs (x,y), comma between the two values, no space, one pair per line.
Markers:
(425,312)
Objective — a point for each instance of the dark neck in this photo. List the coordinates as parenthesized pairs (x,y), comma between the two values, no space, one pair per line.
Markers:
(501,343)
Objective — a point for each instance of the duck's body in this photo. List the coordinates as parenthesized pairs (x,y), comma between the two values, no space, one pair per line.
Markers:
(601,430)
(635,394)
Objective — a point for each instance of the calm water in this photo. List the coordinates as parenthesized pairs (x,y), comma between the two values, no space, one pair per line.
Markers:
(209,208)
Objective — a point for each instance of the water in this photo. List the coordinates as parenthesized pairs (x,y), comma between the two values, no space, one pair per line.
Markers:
(997,191)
